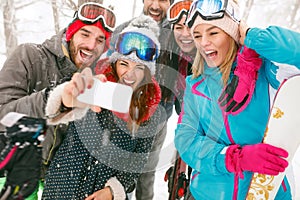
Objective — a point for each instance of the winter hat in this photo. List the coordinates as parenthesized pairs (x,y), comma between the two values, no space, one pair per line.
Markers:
(145,26)
(227,23)
(77,24)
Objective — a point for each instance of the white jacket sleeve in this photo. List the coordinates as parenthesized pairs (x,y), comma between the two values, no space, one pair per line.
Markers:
(52,110)
(117,188)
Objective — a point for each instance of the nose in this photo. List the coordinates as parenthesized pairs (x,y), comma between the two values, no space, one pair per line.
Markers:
(205,41)
(129,73)
(91,44)
(186,32)
(155,5)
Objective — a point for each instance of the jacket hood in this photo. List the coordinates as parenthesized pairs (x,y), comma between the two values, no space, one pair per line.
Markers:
(59,47)
(57,44)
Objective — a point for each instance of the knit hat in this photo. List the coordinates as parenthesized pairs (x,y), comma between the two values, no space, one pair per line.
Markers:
(146,26)
(227,23)
(77,24)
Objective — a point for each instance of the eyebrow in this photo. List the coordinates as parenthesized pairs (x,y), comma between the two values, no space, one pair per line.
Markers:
(179,24)
(209,29)
(138,64)
(123,61)
(87,31)
(212,28)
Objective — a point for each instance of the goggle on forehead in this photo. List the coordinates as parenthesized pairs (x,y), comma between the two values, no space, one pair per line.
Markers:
(91,12)
(210,10)
(177,10)
(145,48)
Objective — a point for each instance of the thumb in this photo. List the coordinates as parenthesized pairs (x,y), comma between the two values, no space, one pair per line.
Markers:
(96,109)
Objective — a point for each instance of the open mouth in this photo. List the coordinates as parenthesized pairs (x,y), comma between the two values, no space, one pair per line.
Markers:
(155,14)
(186,41)
(85,55)
(211,54)
(128,82)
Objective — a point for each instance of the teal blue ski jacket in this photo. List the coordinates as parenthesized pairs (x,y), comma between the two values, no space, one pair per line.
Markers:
(203,132)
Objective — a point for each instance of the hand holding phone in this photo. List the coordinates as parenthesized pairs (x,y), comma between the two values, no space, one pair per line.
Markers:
(109,95)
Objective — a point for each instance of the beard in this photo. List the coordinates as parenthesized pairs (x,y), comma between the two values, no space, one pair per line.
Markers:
(74,51)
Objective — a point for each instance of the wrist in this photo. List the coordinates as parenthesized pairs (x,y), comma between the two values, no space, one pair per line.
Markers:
(64,108)
(116,187)
(232,158)
(111,192)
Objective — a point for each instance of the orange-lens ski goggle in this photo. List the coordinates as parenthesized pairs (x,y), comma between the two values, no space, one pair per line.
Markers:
(91,12)
(178,9)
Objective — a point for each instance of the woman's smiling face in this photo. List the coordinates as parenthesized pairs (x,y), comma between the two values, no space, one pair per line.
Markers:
(212,42)
(129,72)
(183,36)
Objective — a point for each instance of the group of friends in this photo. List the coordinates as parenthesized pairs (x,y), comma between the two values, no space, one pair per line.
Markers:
(198,57)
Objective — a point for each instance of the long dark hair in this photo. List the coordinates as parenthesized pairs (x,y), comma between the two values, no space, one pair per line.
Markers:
(141,97)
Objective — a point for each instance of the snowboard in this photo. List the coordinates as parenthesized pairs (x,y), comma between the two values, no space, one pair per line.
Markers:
(282,131)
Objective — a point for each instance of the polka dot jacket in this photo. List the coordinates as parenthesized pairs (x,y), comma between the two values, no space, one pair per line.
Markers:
(96,148)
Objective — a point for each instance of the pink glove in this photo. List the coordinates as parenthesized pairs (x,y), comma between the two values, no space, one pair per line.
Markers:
(261,158)
(237,94)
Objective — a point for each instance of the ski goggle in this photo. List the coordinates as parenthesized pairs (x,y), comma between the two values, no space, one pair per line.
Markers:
(145,48)
(178,9)
(210,10)
(91,12)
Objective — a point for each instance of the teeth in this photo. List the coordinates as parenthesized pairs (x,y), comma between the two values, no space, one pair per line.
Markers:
(186,41)
(86,53)
(208,52)
(128,82)
(154,13)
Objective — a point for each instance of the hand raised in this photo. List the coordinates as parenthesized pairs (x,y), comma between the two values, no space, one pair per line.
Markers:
(78,84)
(237,94)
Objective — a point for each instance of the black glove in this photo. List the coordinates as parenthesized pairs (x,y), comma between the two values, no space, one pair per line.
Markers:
(21,158)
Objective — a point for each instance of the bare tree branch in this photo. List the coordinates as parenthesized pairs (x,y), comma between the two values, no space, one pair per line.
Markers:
(20,4)
(55,16)
(10,29)
(80,2)
(248,8)
(294,10)
(70,4)
(133,8)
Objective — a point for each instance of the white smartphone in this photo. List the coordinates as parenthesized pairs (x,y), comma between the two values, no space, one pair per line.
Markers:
(109,95)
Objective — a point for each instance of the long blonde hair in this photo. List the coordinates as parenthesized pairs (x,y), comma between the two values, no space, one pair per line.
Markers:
(225,67)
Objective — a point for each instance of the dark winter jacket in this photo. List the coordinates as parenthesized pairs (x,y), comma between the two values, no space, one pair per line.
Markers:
(26,73)
(99,150)
(176,63)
